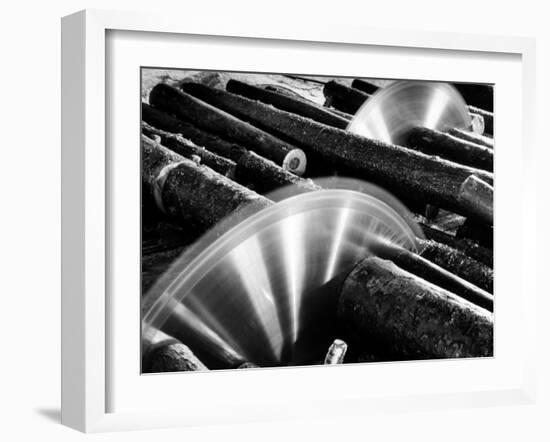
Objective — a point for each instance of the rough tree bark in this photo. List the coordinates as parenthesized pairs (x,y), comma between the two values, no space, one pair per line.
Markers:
(433,142)
(472,137)
(464,245)
(458,263)
(425,269)
(287,103)
(169,123)
(343,98)
(410,317)
(250,169)
(189,192)
(168,355)
(188,149)
(205,116)
(401,170)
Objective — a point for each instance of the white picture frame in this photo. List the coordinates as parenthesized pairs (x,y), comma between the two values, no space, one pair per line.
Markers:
(86,203)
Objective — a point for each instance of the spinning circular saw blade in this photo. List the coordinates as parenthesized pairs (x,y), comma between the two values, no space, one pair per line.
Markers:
(393,111)
(260,291)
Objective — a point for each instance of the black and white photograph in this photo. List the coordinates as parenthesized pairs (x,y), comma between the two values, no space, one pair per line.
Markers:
(295,220)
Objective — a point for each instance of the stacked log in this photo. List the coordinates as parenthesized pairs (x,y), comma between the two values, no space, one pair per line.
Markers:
(472,137)
(410,317)
(208,153)
(280,101)
(190,150)
(433,142)
(167,354)
(206,116)
(343,98)
(191,192)
(435,272)
(402,170)
(244,166)
(467,246)
(364,86)
(457,262)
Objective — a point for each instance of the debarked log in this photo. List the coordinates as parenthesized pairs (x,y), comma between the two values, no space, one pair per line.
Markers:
(343,98)
(210,118)
(287,103)
(189,150)
(402,170)
(458,263)
(472,137)
(487,118)
(191,192)
(431,272)
(433,142)
(410,317)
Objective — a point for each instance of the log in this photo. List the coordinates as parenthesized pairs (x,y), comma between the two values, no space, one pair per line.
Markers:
(336,352)
(364,86)
(265,176)
(400,170)
(205,116)
(409,317)
(188,149)
(434,142)
(192,193)
(167,354)
(464,245)
(169,123)
(477,197)
(251,169)
(480,233)
(284,102)
(487,118)
(458,263)
(425,269)
(472,137)
(343,98)
(477,124)
(478,95)
(290,93)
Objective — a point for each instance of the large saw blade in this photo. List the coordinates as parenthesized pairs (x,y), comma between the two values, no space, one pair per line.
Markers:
(261,291)
(393,111)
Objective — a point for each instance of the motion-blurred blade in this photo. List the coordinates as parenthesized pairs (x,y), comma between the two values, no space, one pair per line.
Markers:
(265,291)
(391,112)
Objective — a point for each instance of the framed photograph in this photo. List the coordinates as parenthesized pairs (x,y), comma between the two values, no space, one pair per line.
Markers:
(262,223)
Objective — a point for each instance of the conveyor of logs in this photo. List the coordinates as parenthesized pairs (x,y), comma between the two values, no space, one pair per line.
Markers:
(206,151)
